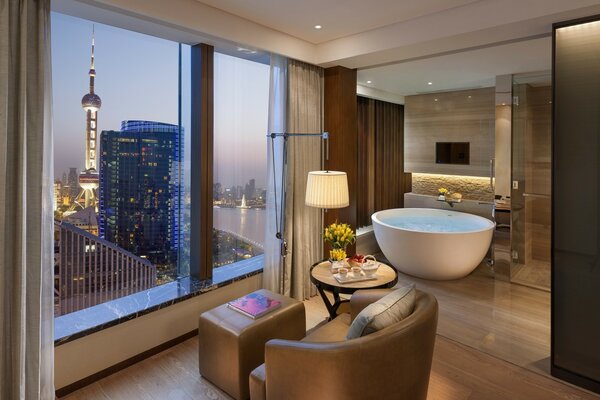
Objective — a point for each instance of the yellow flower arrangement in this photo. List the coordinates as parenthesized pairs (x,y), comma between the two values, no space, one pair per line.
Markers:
(443,191)
(337,254)
(339,235)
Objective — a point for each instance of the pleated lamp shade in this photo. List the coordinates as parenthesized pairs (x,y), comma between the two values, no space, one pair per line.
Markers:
(327,189)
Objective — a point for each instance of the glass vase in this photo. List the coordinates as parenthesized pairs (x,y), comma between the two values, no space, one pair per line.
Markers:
(336,265)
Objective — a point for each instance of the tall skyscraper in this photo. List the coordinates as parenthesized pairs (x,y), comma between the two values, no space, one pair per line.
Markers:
(57,195)
(217,191)
(88,178)
(72,182)
(140,184)
(250,189)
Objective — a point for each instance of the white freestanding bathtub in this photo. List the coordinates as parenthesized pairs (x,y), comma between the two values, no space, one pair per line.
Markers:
(432,244)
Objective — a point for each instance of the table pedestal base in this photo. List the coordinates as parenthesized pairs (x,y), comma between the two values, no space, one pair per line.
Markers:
(331,308)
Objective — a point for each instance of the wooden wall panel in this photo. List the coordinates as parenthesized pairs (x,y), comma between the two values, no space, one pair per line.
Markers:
(381,178)
(340,118)
(389,155)
(366,160)
(202,58)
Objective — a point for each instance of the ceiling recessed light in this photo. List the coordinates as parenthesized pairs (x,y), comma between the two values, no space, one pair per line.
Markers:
(503,104)
(470,96)
(430,83)
(318,26)
(435,99)
(246,51)
(369,81)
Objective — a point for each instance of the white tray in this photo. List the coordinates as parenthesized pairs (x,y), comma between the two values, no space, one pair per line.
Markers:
(351,277)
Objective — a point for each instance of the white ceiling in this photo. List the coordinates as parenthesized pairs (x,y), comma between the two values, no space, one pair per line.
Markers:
(338,18)
(360,34)
(462,70)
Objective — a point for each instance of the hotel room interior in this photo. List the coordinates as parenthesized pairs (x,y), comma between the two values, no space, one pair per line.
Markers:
(228,199)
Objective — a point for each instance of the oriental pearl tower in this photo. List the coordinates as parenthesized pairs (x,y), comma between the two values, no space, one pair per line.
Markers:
(88,179)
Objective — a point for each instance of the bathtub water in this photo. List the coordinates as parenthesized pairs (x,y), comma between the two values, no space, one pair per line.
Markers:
(440,223)
(432,243)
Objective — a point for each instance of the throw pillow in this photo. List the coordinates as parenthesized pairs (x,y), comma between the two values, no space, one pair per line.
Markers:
(388,310)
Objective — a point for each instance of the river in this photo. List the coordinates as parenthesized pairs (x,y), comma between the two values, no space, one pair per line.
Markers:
(249,224)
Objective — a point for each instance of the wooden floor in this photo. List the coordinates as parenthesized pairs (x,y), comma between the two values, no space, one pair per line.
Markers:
(507,321)
(482,323)
(458,373)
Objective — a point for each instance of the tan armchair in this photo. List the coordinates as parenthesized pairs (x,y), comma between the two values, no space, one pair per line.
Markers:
(393,363)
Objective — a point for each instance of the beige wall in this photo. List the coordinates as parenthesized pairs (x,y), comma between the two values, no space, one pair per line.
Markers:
(93,353)
(459,116)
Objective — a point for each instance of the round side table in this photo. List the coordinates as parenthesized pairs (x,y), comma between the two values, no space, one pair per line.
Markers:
(321,276)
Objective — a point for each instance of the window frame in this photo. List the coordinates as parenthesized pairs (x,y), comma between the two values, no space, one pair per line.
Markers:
(201,131)
(202,143)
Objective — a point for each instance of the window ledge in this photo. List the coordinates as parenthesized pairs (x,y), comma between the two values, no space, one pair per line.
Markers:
(81,323)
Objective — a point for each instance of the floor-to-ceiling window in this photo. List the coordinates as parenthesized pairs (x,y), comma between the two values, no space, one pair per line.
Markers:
(122,124)
(241,93)
(121,162)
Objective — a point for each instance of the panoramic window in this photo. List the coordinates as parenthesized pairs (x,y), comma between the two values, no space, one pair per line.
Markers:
(241,105)
(121,164)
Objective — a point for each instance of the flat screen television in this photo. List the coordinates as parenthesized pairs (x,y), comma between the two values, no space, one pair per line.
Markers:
(452,153)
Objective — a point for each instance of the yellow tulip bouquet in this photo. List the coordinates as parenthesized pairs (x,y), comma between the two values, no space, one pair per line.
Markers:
(339,236)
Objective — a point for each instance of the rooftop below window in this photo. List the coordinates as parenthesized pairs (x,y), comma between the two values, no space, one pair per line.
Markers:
(84,322)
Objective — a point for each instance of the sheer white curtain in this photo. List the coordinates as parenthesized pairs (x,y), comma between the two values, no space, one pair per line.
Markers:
(26,224)
(272,271)
(303,224)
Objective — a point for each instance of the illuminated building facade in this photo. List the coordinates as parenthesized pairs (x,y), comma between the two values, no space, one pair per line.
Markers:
(57,195)
(140,187)
(88,178)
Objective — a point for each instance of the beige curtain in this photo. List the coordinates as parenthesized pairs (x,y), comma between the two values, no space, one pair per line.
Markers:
(302,224)
(26,243)
(272,269)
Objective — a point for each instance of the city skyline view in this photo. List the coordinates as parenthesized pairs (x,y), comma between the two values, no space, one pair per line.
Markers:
(121,59)
(122,119)
(128,85)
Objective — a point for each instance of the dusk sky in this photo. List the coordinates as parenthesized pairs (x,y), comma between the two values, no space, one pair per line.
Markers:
(241,120)
(137,78)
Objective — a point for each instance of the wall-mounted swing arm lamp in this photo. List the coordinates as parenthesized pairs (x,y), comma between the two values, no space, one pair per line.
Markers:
(285,136)
(324,189)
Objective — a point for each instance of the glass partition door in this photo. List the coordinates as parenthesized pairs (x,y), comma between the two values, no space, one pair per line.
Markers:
(531,180)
